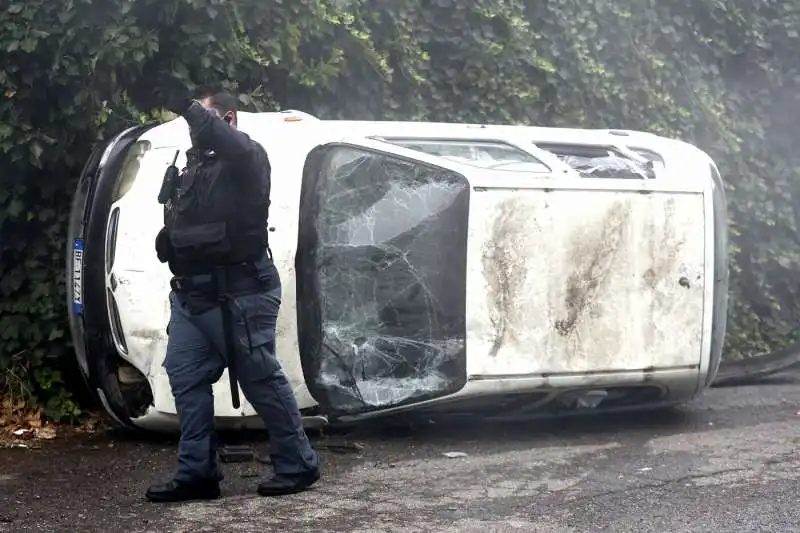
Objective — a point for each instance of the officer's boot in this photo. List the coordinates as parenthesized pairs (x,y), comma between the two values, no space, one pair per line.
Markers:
(281,485)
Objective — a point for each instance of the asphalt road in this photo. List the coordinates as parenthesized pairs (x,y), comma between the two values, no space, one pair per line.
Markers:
(727,462)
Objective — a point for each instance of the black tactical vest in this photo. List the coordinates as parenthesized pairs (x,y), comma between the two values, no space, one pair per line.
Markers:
(215,217)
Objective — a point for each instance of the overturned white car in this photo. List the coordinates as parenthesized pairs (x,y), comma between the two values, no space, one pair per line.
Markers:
(428,266)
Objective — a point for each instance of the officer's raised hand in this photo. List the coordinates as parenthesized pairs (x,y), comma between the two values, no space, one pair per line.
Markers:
(173,94)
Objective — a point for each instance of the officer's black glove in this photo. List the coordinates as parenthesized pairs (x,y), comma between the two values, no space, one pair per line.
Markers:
(174,95)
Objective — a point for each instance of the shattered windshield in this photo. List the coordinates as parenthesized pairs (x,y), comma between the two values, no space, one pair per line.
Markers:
(382,268)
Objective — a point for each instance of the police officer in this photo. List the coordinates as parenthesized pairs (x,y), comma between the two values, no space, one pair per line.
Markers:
(225,297)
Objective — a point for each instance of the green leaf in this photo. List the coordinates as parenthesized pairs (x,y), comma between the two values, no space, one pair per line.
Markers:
(36,151)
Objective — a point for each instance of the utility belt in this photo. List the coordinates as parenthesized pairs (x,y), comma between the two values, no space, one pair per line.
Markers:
(235,280)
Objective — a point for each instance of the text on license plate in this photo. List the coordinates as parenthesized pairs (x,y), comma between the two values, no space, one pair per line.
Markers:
(77,276)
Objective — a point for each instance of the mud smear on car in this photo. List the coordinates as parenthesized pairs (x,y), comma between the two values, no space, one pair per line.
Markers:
(505,267)
(592,258)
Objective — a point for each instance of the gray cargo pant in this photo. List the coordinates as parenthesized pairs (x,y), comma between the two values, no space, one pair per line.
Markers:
(196,358)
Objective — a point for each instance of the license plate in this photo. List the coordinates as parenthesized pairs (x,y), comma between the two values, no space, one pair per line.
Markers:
(77,276)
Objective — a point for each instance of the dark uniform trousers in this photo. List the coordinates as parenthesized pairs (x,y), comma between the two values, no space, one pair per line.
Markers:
(196,359)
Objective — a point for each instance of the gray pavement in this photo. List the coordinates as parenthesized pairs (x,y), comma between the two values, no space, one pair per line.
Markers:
(727,462)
